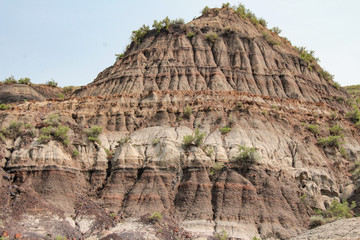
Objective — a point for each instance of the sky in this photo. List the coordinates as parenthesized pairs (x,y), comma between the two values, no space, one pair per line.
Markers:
(71,41)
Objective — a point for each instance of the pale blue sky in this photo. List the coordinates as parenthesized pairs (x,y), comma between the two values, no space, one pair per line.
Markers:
(71,41)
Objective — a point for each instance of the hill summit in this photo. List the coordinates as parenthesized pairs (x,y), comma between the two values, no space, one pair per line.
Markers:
(222,50)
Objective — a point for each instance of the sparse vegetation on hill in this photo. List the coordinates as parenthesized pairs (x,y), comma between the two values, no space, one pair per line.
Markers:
(51,83)
(307,56)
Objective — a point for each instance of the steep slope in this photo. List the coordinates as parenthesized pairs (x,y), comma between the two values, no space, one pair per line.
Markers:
(240,58)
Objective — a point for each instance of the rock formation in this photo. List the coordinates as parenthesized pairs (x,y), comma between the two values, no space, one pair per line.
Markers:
(239,91)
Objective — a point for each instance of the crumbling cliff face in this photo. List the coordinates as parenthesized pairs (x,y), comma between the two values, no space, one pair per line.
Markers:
(239,92)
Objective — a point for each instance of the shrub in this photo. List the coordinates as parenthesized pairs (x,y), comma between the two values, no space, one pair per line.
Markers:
(25,81)
(269,39)
(53,120)
(14,129)
(316,221)
(75,153)
(313,128)
(339,210)
(157,25)
(276,30)
(240,10)
(263,22)
(93,134)
(336,130)
(354,115)
(60,134)
(337,85)
(4,106)
(205,10)
(10,80)
(307,56)
(223,235)
(209,150)
(356,172)
(247,155)
(326,75)
(188,141)
(218,166)
(187,111)
(51,83)
(177,21)
(109,153)
(225,129)
(119,56)
(166,22)
(60,96)
(331,141)
(191,35)
(68,89)
(196,139)
(124,140)
(344,153)
(211,37)
(139,34)
(43,139)
(156,141)
(199,137)
(225,5)
(155,217)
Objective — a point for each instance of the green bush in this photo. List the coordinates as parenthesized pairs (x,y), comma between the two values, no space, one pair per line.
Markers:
(209,150)
(75,153)
(43,139)
(123,140)
(307,56)
(68,89)
(60,134)
(191,35)
(331,141)
(158,25)
(93,134)
(51,83)
(356,172)
(336,130)
(269,39)
(247,155)
(211,37)
(326,75)
(354,115)
(4,106)
(25,81)
(155,217)
(276,30)
(223,235)
(178,21)
(196,139)
(187,111)
(313,128)
(119,56)
(339,210)
(138,35)
(14,130)
(10,80)
(337,85)
(263,22)
(240,10)
(205,10)
(188,141)
(53,120)
(225,129)
(225,5)
(218,166)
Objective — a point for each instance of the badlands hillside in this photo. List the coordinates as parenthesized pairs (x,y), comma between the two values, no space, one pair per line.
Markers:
(203,130)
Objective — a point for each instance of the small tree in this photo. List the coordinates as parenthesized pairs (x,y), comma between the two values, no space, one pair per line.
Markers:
(93,134)
(52,83)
